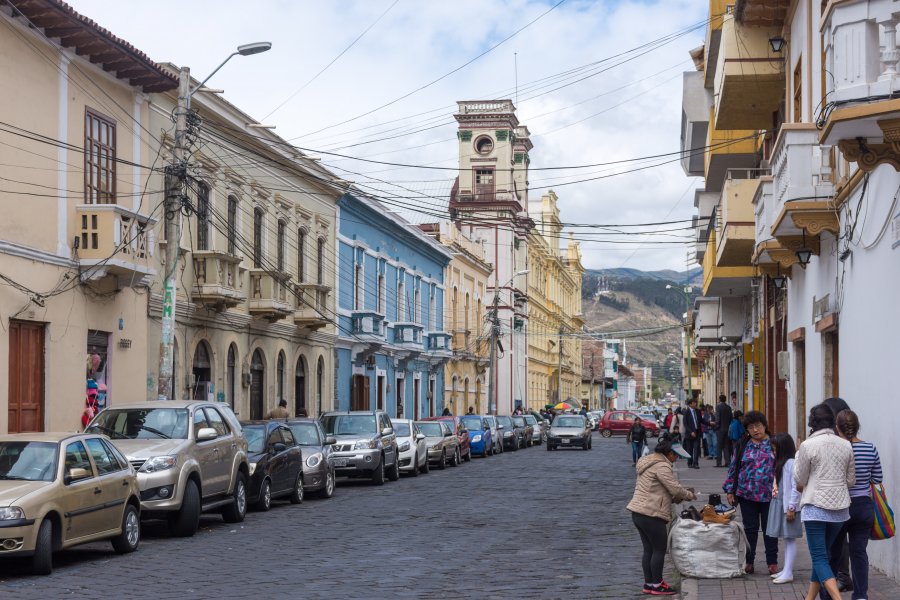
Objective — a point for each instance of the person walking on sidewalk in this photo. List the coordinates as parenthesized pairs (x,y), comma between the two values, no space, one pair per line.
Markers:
(751,477)
(735,433)
(723,424)
(637,437)
(709,432)
(691,433)
(655,490)
(824,471)
(867,466)
(783,521)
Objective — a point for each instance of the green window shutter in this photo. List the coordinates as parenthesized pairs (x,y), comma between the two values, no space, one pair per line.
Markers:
(464,136)
(502,135)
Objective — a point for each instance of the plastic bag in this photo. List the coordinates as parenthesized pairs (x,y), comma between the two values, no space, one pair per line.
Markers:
(646,450)
(707,550)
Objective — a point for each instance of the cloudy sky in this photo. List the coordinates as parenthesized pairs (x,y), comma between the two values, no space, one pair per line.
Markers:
(598,81)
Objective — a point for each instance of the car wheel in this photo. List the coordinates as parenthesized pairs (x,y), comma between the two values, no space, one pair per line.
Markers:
(297,492)
(235,511)
(468,456)
(184,523)
(443,462)
(415,464)
(265,496)
(378,473)
(42,560)
(426,466)
(455,460)
(128,540)
(549,447)
(585,445)
(606,433)
(394,473)
(590,443)
(328,490)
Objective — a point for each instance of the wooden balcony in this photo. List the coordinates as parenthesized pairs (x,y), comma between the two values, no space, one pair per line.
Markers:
(735,218)
(217,279)
(312,306)
(269,296)
(408,335)
(367,326)
(114,241)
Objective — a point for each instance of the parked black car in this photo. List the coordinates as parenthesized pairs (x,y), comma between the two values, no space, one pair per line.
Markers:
(526,429)
(318,468)
(276,463)
(509,433)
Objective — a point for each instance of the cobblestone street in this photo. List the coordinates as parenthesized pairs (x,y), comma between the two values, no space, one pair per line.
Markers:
(526,524)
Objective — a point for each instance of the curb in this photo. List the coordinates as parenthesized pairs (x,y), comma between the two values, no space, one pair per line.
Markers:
(690,589)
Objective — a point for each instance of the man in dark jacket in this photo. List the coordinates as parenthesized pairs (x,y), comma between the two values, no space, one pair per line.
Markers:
(723,422)
(692,441)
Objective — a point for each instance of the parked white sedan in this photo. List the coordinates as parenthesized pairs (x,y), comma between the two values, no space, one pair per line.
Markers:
(413,451)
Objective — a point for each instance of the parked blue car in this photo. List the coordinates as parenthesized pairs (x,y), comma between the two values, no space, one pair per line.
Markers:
(480,441)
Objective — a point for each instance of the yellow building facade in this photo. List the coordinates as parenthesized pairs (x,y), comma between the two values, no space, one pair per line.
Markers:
(466,374)
(555,318)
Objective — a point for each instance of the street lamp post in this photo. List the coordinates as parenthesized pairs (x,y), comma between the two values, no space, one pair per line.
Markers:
(178,168)
(687,341)
(495,334)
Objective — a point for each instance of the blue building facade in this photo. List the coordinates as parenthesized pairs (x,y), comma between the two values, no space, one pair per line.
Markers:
(392,345)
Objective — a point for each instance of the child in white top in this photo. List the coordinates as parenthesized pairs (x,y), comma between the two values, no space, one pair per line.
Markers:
(783,519)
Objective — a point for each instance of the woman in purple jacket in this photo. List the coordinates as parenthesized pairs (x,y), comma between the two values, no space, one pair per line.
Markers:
(751,476)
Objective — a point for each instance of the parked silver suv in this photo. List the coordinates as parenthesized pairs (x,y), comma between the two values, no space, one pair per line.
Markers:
(190,457)
(365,444)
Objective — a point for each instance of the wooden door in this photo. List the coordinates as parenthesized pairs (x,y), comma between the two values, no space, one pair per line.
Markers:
(26,377)
(257,387)
(380,393)
(360,393)
(416,391)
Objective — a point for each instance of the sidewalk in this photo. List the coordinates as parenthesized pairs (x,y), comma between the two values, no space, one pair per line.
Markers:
(708,479)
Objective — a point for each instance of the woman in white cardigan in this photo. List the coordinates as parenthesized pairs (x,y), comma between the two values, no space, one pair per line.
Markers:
(823,471)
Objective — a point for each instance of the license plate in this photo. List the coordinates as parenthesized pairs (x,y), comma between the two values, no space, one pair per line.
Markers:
(565,441)
(340,462)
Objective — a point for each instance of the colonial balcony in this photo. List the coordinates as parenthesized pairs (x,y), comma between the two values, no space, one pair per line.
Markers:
(312,306)
(695,103)
(861,53)
(728,149)
(438,341)
(114,241)
(269,296)
(367,325)
(217,279)
(735,225)
(718,318)
(408,335)
(724,280)
(749,78)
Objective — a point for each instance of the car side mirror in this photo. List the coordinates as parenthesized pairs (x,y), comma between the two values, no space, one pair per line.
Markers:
(330,441)
(206,433)
(278,447)
(448,433)
(420,436)
(77,474)
(387,431)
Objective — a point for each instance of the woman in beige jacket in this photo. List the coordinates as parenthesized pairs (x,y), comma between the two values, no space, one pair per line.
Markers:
(651,509)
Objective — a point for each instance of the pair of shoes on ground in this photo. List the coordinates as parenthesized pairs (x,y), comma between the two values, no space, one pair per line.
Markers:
(780,577)
(660,589)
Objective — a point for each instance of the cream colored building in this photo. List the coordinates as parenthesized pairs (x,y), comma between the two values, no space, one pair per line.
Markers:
(555,320)
(255,309)
(76,247)
(465,308)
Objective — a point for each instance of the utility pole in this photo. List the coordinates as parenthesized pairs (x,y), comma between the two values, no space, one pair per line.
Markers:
(559,367)
(495,332)
(178,170)
(592,380)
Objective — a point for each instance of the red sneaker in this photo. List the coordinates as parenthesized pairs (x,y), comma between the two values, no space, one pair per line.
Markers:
(663,589)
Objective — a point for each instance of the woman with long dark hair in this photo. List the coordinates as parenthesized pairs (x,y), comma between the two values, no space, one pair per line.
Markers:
(867,466)
(824,471)
(751,477)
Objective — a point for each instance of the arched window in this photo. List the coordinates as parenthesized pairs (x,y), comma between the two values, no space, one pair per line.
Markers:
(231,382)
(301,255)
(300,388)
(201,369)
(417,306)
(358,302)
(257,237)
(232,224)
(280,381)
(401,297)
(381,294)
(432,309)
(320,261)
(257,385)
(320,380)
(202,216)
(280,253)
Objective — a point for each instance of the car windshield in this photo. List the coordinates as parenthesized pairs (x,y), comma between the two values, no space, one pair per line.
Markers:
(256,438)
(349,425)
(305,433)
(401,429)
(530,420)
(505,421)
(519,421)
(568,422)
(472,423)
(28,461)
(431,429)
(142,423)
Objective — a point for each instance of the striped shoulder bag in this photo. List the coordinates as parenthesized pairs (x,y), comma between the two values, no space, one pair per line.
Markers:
(883,525)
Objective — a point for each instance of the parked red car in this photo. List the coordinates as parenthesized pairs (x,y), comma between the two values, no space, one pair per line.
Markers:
(465,451)
(618,422)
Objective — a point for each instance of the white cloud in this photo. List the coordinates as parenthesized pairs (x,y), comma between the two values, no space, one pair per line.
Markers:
(416,42)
